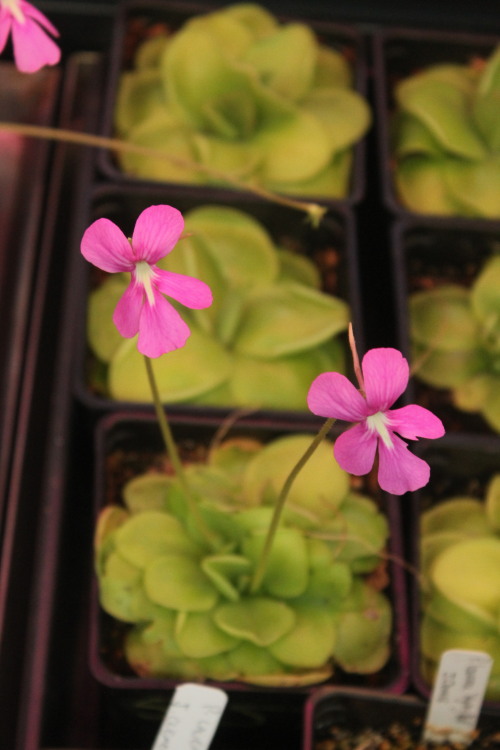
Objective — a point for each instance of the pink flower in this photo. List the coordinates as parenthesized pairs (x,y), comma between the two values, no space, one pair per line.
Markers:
(33,47)
(384,377)
(143,309)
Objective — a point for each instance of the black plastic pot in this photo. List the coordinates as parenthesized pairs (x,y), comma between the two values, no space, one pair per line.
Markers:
(460,466)
(399,53)
(354,711)
(343,38)
(431,253)
(135,440)
(332,247)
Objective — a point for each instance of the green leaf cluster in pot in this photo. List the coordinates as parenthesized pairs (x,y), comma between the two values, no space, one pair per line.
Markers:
(237,92)
(446,139)
(192,611)
(455,335)
(269,332)
(460,563)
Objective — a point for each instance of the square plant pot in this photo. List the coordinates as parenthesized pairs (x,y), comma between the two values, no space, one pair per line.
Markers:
(352,717)
(455,533)
(253,349)
(431,165)
(446,292)
(128,445)
(251,99)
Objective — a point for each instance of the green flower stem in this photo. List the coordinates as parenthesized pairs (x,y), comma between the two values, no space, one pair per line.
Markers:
(314,211)
(280,504)
(173,454)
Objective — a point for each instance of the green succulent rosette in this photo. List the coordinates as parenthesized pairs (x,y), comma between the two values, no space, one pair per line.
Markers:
(446,139)
(269,332)
(455,336)
(240,94)
(191,609)
(460,565)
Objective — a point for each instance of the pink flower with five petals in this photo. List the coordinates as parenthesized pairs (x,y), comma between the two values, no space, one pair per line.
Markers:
(143,309)
(385,375)
(33,47)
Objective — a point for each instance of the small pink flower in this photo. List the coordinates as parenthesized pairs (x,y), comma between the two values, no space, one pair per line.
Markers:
(384,377)
(33,47)
(143,309)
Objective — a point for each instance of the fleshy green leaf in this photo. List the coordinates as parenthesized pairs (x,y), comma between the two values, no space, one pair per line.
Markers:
(295,147)
(177,582)
(239,245)
(421,185)
(147,492)
(443,105)
(343,113)
(149,535)
(199,637)
(320,487)
(199,366)
(225,571)
(310,643)
(475,186)
(285,61)
(258,619)
(286,573)
(442,319)
(102,334)
(362,643)
(288,318)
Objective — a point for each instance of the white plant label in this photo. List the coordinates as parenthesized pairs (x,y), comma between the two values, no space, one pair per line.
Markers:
(457,696)
(191,719)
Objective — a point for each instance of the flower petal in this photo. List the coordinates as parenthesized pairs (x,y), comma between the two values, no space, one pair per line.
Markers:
(385,373)
(187,290)
(5,27)
(32,47)
(32,12)
(161,328)
(355,450)
(105,246)
(156,232)
(333,395)
(399,470)
(127,313)
(415,421)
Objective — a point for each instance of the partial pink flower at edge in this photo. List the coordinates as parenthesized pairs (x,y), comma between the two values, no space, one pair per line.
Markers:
(377,428)
(33,47)
(143,309)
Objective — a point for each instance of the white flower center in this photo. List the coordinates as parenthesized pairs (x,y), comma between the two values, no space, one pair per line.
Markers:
(378,423)
(14,8)
(144,274)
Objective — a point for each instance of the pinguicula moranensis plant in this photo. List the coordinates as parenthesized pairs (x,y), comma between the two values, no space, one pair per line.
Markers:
(254,565)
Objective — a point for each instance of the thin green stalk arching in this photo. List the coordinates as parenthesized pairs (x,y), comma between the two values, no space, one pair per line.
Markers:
(314,211)
(280,504)
(173,454)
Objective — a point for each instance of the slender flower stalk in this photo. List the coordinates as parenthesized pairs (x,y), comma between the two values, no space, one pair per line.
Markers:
(314,211)
(260,568)
(173,454)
